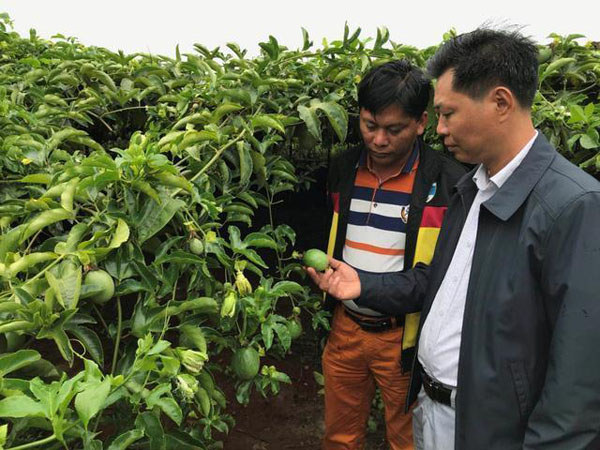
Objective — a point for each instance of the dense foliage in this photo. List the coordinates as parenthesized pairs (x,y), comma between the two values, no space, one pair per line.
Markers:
(134,272)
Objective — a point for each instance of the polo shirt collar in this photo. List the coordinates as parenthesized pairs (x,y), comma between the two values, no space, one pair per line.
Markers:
(408,166)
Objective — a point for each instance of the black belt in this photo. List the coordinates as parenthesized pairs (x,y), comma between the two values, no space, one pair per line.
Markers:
(436,391)
(375,324)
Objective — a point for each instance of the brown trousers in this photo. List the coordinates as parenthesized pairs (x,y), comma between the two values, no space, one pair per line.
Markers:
(353,362)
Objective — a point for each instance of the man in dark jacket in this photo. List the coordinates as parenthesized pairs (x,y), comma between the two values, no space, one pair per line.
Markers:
(509,334)
(388,199)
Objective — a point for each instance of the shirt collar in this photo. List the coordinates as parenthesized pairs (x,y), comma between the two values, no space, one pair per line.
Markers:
(482,179)
(408,166)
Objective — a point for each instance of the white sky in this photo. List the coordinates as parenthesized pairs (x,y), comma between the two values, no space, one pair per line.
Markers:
(157,26)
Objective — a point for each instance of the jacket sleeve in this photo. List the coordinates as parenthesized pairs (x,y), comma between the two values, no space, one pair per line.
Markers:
(567,414)
(394,293)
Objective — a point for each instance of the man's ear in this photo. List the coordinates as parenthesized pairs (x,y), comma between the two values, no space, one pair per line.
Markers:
(422,123)
(504,102)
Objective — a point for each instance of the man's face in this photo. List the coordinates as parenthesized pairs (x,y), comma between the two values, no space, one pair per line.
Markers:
(465,124)
(390,135)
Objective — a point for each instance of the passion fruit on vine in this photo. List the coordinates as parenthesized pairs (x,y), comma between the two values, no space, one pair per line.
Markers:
(103,281)
(316,259)
(294,326)
(245,363)
(196,246)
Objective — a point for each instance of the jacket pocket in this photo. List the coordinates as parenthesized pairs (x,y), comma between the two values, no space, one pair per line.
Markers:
(521,385)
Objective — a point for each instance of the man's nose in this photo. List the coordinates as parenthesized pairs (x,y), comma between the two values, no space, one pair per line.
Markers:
(380,138)
(441,128)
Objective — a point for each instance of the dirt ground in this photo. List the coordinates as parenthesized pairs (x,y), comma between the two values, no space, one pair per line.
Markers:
(293,420)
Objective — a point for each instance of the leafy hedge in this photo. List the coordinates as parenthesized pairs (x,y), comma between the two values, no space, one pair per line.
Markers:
(137,209)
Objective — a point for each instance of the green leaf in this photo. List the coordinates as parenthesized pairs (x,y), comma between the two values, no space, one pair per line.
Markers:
(20,406)
(171,409)
(577,114)
(90,401)
(152,429)
(124,440)
(310,118)
(245,163)
(66,283)
(307,43)
(121,234)
(283,333)
(260,240)
(90,341)
(37,178)
(338,118)
(159,347)
(46,394)
(267,122)
(588,142)
(153,217)
(267,333)
(223,110)
(253,256)
(9,362)
(282,288)
(183,441)
(179,257)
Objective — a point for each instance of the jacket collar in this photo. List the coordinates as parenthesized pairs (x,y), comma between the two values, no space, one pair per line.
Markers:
(519,185)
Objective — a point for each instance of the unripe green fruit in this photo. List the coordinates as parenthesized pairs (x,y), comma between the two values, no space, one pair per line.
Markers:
(295,328)
(316,259)
(196,246)
(104,280)
(245,363)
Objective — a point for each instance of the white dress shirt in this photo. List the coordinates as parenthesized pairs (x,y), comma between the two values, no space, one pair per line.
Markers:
(439,344)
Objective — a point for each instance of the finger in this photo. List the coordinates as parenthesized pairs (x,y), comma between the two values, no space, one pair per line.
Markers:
(334,289)
(334,263)
(312,273)
(325,277)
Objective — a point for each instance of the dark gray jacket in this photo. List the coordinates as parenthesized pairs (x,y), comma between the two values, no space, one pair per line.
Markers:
(529,364)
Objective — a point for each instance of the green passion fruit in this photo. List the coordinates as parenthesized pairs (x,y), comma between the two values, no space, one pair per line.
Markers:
(245,363)
(196,246)
(316,259)
(294,326)
(101,279)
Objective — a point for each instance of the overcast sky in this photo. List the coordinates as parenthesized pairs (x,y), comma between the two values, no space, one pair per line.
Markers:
(158,26)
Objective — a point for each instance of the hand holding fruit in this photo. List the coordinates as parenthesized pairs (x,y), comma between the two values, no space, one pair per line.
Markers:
(339,280)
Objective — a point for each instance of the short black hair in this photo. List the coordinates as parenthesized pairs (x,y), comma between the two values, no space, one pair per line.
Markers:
(395,83)
(485,58)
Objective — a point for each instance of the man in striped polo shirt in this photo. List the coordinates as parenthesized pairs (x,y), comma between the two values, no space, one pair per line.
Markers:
(388,199)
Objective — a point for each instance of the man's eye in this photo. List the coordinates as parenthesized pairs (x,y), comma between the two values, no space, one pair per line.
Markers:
(371,126)
(446,114)
(395,130)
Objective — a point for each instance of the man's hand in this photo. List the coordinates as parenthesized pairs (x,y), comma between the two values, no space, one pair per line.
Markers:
(340,280)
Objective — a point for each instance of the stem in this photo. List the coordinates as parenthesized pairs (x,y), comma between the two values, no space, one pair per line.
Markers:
(31,241)
(45,269)
(218,155)
(101,120)
(35,443)
(118,339)
(277,252)
(101,319)
(212,160)
(124,109)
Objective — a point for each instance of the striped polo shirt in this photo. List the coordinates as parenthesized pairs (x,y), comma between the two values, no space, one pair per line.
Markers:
(377,221)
